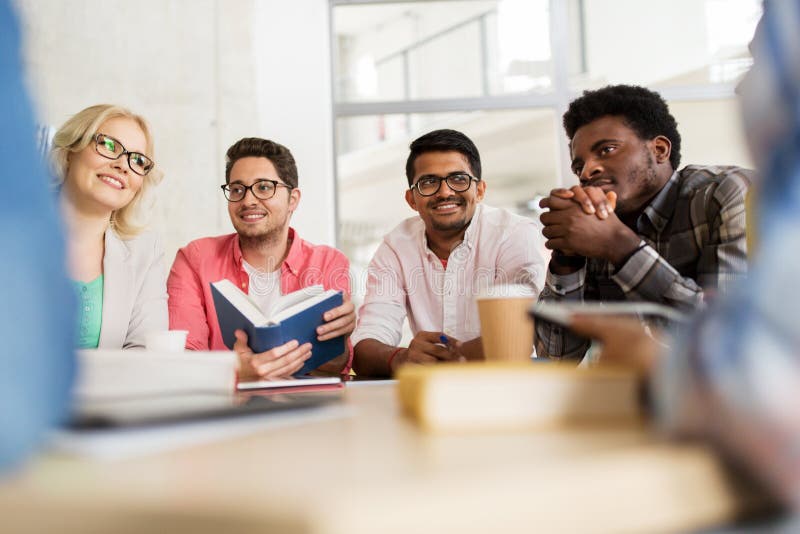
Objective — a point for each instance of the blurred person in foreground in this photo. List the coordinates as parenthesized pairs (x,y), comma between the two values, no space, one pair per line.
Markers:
(36,363)
(734,376)
(104,166)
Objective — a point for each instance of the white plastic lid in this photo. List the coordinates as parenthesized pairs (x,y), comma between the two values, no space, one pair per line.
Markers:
(507,291)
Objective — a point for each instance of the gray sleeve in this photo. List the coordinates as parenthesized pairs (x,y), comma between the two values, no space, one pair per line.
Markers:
(553,341)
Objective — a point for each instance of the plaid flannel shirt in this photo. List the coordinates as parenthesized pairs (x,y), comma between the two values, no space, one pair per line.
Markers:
(692,245)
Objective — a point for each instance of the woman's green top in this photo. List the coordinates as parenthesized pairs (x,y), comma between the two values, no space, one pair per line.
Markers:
(90,314)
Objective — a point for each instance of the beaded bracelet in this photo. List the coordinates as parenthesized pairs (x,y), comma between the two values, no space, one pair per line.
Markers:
(391,357)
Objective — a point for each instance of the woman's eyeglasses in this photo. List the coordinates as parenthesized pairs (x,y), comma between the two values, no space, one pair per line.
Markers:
(110,148)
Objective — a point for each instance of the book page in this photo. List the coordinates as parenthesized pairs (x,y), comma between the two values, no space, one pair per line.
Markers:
(302,305)
(291,300)
(241,301)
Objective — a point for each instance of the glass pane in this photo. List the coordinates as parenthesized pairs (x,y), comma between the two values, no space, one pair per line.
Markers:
(460,78)
(424,50)
(518,156)
(693,42)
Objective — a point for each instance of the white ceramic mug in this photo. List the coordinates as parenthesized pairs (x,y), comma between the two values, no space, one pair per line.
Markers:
(166,340)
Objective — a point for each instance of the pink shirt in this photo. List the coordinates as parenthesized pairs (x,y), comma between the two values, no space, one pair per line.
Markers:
(207,260)
(405,279)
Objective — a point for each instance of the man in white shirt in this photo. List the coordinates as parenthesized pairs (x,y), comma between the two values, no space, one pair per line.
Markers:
(430,268)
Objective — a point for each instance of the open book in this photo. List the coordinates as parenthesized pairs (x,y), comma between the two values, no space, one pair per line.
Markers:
(294,316)
(511,396)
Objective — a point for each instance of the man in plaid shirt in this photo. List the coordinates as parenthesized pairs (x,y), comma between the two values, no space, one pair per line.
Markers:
(637,228)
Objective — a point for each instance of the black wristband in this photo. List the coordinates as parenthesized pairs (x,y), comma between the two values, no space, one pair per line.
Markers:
(564,260)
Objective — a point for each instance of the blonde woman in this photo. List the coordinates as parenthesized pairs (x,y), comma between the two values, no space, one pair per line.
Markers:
(104,163)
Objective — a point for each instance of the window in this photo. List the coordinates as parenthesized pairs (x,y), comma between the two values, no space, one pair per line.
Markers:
(503,72)
(433,50)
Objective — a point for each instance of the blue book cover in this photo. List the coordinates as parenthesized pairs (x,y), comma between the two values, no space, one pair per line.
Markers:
(301,326)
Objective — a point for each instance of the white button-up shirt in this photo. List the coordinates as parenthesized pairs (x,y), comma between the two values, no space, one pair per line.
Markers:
(406,279)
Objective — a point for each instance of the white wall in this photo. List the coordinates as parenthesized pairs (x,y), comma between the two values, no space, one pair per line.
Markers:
(204,73)
(711,133)
(293,80)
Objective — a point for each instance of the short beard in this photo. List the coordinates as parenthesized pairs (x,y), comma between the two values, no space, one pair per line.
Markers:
(646,177)
(260,240)
(449,227)
(267,238)
(454,225)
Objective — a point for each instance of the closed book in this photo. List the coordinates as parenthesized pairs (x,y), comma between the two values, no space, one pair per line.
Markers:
(116,374)
(295,316)
(503,396)
(300,383)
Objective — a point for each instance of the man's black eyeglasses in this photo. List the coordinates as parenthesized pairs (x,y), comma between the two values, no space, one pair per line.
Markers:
(429,185)
(261,189)
(110,148)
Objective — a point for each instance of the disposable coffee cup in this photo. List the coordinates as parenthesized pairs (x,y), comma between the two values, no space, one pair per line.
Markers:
(166,340)
(506,329)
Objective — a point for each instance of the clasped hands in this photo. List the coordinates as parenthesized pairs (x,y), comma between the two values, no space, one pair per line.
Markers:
(582,222)
(284,360)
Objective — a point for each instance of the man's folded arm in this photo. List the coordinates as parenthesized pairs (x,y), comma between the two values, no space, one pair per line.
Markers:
(647,276)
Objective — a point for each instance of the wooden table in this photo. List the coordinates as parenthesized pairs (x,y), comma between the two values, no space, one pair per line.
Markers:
(376,472)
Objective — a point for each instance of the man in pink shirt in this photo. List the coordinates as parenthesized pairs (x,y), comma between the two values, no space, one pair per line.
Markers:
(265,257)
(430,268)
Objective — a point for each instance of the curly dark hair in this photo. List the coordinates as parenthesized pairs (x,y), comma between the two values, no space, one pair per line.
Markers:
(444,141)
(643,110)
(278,154)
